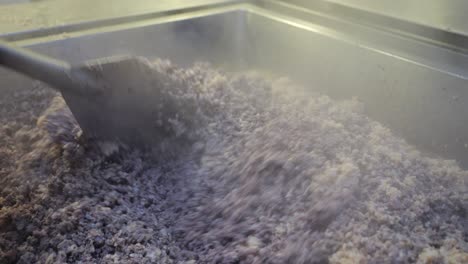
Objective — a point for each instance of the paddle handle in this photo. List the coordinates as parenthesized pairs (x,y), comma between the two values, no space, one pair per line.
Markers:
(58,74)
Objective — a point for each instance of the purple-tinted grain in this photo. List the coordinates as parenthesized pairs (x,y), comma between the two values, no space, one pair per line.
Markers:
(275,175)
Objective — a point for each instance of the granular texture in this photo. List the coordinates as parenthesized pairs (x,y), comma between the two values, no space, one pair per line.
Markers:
(276,175)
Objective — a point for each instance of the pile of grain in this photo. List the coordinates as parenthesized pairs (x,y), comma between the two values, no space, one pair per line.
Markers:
(277,176)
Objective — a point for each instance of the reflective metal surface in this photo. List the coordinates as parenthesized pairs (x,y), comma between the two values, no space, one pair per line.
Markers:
(61,15)
(411,77)
(441,14)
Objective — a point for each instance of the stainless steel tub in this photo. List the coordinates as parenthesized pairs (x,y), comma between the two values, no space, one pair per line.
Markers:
(413,84)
